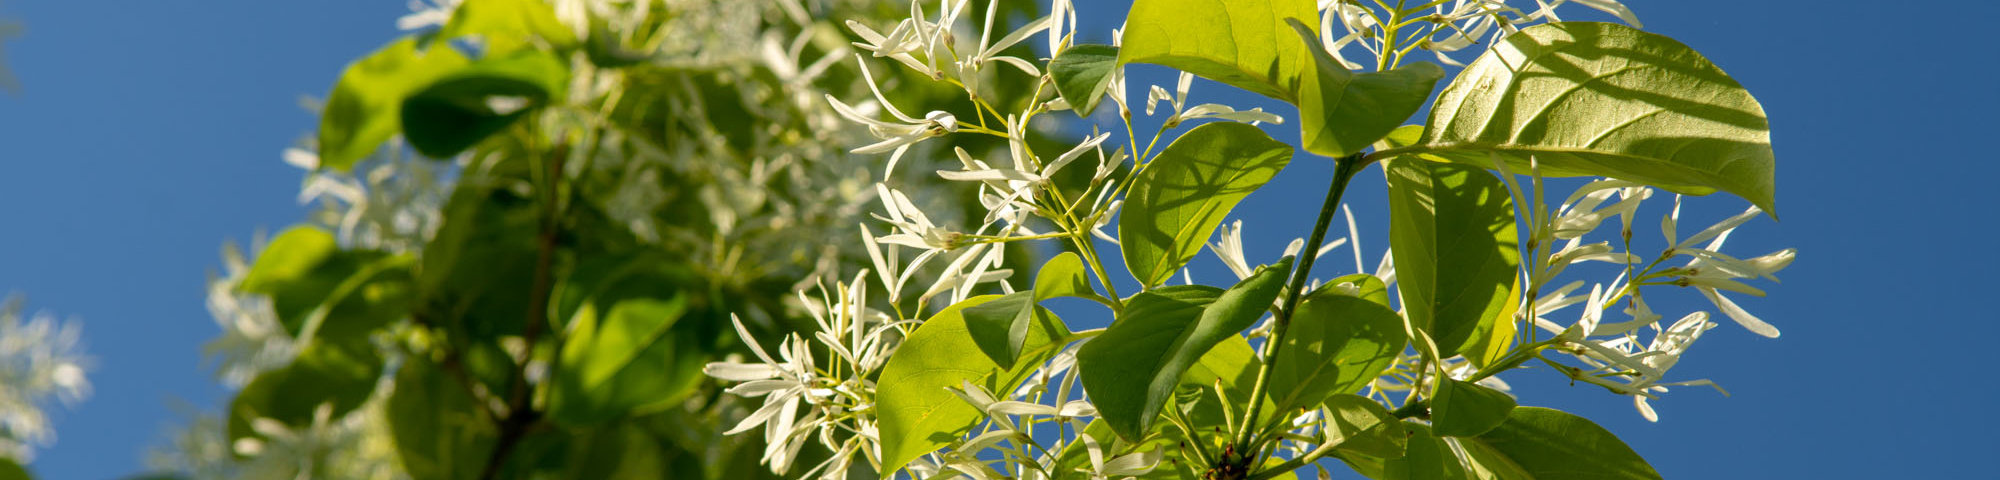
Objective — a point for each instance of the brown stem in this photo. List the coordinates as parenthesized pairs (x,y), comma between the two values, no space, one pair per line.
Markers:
(521,414)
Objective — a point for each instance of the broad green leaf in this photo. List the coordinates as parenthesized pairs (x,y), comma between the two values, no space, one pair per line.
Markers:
(317,289)
(1063,276)
(1185,192)
(1233,364)
(1337,343)
(476,269)
(461,109)
(1426,457)
(624,350)
(1244,43)
(1464,409)
(917,414)
(1545,444)
(1605,99)
(1082,72)
(1131,370)
(340,376)
(361,113)
(1359,425)
(1342,112)
(440,431)
(1000,327)
(1451,231)
(508,25)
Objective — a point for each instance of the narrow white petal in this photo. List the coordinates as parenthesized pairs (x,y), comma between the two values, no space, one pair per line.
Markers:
(1741,316)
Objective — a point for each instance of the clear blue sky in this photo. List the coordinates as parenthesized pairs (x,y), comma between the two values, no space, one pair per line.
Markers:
(148,133)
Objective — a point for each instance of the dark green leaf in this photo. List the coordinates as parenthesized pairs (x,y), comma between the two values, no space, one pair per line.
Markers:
(440,431)
(1464,409)
(1545,444)
(1082,72)
(13,471)
(1000,327)
(1337,343)
(361,113)
(340,376)
(1243,43)
(1131,370)
(916,412)
(461,109)
(1427,457)
(1185,192)
(1342,112)
(1359,425)
(624,352)
(1456,251)
(317,289)
(1605,99)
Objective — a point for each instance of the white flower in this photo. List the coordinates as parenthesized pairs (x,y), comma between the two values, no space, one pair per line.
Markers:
(422,14)
(39,359)
(1217,111)
(917,231)
(896,136)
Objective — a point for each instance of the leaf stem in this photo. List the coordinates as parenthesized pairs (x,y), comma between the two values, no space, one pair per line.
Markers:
(1343,171)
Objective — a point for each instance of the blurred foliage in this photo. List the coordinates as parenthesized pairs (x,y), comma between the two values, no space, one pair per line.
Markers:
(534,222)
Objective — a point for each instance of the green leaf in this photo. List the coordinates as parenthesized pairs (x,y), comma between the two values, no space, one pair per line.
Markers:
(361,112)
(1082,72)
(1453,237)
(1605,99)
(1427,457)
(1232,364)
(483,257)
(13,471)
(1063,276)
(1361,426)
(1000,327)
(1337,343)
(508,25)
(625,350)
(319,290)
(1342,112)
(339,375)
(1464,409)
(1185,192)
(461,109)
(1131,370)
(917,414)
(440,431)
(1243,43)
(1545,444)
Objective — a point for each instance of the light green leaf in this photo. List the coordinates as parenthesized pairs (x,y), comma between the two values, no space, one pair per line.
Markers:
(319,290)
(625,350)
(1185,192)
(1452,233)
(461,109)
(361,112)
(1342,112)
(1545,444)
(440,431)
(1464,409)
(1000,327)
(338,375)
(1232,364)
(1131,370)
(1337,343)
(1361,426)
(508,25)
(1082,73)
(917,414)
(1244,43)
(1063,276)
(1605,99)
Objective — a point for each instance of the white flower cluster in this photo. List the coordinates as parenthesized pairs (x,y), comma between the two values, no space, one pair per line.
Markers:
(1613,354)
(1454,25)
(39,359)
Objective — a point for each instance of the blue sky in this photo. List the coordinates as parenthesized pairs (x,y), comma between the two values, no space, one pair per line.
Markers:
(148,133)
